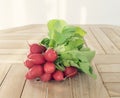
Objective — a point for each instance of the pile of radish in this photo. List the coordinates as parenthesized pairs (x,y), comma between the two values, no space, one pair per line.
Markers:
(62,54)
(40,62)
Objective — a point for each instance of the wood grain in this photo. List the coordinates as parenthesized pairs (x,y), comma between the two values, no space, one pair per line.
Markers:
(104,39)
(110,77)
(117,30)
(13,84)
(12,58)
(27,28)
(112,36)
(115,97)
(13,51)
(16,44)
(80,85)
(108,68)
(96,87)
(110,74)
(92,42)
(107,59)
(113,89)
(4,68)
(23,36)
(33,89)
(106,43)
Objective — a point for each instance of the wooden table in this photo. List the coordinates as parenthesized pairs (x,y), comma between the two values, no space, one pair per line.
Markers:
(104,39)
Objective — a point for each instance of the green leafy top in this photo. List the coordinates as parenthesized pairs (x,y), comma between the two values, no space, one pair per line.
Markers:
(68,41)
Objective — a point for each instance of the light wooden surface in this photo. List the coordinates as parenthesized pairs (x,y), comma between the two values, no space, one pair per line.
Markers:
(104,39)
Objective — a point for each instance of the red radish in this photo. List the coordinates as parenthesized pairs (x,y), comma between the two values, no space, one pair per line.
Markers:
(28,63)
(36,48)
(34,72)
(70,71)
(46,77)
(37,58)
(49,67)
(50,55)
(58,75)
(28,76)
(28,55)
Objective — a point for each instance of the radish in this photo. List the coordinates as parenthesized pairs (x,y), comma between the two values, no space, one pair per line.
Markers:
(34,72)
(50,55)
(58,75)
(36,48)
(46,77)
(70,71)
(28,55)
(49,67)
(28,63)
(28,76)
(37,58)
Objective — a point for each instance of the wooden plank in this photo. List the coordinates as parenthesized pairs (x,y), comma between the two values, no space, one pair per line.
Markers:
(96,87)
(4,68)
(12,44)
(106,43)
(111,77)
(12,58)
(108,67)
(14,82)
(80,86)
(106,25)
(52,89)
(27,28)
(92,42)
(86,87)
(35,28)
(117,30)
(114,89)
(23,36)
(13,51)
(115,97)
(16,44)
(107,59)
(59,89)
(112,36)
(33,89)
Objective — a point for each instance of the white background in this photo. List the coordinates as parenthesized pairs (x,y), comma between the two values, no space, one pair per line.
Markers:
(15,13)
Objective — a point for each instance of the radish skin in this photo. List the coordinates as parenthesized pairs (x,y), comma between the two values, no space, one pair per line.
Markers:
(37,58)
(34,72)
(49,67)
(50,55)
(70,71)
(58,75)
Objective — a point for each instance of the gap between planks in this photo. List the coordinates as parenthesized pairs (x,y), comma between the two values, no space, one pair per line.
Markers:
(4,69)
(92,42)
(113,88)
(112,36)
(110,74)
(14,82)
(106,43)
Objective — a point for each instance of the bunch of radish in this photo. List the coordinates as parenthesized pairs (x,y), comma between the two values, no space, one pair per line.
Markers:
(41,64)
